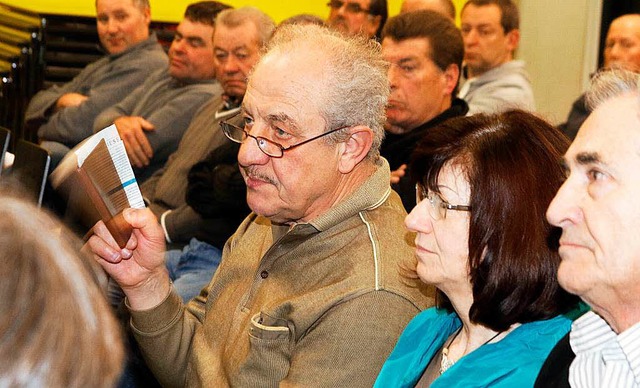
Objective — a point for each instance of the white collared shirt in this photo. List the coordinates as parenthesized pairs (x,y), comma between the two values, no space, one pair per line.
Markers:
(603,358)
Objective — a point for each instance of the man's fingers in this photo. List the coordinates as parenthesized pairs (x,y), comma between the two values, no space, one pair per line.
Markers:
(135,142)
(141,158)
(102,244)
(70,99)
(139,218)
(145,146)
(146,125)
(144,222)
(133,158)
(100,230)
(136,155)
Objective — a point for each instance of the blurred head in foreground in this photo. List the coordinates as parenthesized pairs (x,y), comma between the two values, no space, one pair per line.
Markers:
(56,328)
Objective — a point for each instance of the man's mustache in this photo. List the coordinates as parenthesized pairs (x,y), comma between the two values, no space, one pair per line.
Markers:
(253,173)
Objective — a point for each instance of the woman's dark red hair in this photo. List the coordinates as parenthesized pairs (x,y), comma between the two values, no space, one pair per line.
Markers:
(512,163)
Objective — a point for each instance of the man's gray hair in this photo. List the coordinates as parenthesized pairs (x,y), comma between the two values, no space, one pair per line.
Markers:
(233,18)
(611,83)
(142,4)
(356,88)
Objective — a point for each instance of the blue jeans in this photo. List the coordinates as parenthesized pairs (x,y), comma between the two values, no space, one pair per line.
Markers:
(192,268)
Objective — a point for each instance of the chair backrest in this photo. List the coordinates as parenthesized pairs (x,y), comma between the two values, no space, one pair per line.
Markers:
(31,168)
(5,136)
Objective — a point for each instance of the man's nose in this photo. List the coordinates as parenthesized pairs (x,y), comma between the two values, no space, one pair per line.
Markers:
(112,26)
(231,65)
(392,75)
(342,9)
(250,154)
(178,45)
(470,37)
(564,208)
(615,52)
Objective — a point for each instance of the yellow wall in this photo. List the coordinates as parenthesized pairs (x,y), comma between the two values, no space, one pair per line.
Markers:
(171,10)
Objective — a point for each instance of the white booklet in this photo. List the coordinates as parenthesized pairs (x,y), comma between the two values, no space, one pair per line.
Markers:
(97,181)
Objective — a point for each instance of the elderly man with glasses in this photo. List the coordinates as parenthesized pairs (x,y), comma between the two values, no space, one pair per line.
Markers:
(310,290)
(358,17)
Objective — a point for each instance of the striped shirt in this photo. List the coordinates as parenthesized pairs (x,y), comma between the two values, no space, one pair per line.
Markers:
(604,358)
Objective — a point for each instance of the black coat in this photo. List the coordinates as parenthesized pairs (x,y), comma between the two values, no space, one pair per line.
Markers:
(217,192)
(555,370)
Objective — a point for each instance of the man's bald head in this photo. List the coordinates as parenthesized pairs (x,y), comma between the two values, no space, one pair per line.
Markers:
(445,7)
(622,46)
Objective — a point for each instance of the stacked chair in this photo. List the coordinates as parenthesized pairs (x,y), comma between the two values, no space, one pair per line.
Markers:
(20,64)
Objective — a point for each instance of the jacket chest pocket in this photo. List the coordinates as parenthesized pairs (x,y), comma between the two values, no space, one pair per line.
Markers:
(269,356)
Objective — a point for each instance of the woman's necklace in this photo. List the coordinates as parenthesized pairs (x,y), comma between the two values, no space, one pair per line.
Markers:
(446,362)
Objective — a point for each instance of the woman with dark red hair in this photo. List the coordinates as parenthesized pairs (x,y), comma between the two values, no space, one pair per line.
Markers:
(483,186)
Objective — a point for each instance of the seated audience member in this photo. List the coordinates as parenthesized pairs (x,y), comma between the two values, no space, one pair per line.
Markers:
(494,80)
(598,210)
(358,17)
(64,114)
(239,36)
(484,183)
(56,328)
(303,272)
(621,50)
(425,51)
(444,7)
(152,119)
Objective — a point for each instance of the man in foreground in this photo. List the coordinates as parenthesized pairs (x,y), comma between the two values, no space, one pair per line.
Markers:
(309,289)
(599,212)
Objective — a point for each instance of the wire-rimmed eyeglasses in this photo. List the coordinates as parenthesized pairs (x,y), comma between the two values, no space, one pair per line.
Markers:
(438,206)
(269,147)
(349,7)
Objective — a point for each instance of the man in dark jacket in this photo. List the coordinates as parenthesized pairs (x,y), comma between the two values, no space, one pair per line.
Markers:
(622,50)
(425,50)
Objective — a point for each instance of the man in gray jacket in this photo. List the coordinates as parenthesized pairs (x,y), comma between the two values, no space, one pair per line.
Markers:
(152,119)
(494,80)
(64,114)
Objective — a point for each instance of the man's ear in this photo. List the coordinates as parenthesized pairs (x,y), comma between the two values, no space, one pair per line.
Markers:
(147,15)
(513,39)
(373,25)
(451,76)
(355,148)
